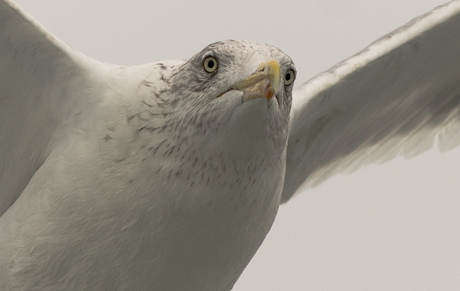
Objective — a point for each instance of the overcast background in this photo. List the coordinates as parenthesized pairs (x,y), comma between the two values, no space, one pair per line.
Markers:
(385,227)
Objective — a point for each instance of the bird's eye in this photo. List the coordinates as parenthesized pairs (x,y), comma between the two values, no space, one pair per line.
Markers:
(210,64)
(289,77)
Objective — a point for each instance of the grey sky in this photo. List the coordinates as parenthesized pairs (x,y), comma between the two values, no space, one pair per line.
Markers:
(388,227)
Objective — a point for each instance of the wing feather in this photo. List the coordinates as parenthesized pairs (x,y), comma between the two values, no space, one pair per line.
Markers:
(399,96)
(40,78)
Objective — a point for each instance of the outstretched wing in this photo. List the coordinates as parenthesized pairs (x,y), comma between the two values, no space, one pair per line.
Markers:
(40,78)
(397,97)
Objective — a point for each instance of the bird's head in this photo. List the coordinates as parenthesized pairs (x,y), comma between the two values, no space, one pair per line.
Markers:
(232,92)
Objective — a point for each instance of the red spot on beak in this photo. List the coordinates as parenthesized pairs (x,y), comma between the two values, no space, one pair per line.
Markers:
(269,92)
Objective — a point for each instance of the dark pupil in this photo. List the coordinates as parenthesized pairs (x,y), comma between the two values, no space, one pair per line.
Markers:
(211,64)
(288,76)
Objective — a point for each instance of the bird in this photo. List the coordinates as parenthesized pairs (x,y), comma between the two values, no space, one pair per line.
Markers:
(93,139)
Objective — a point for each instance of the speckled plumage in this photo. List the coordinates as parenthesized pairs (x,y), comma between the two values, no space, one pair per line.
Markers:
(165,179)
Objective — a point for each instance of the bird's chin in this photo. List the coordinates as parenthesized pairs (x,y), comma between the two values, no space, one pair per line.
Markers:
(243,109)
(248,130)
(251,117)
(240,98)
(247,119)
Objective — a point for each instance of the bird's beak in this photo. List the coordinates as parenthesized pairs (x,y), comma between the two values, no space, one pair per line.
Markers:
(264,83)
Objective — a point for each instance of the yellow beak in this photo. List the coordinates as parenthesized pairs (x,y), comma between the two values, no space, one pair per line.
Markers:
(264,83)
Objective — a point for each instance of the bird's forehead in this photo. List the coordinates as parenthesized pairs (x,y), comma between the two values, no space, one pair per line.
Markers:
(244,52)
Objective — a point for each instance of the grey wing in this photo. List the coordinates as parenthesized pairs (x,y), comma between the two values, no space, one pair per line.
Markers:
(399,96)
(40,80)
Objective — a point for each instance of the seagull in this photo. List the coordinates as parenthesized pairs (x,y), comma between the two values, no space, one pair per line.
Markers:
(168,176)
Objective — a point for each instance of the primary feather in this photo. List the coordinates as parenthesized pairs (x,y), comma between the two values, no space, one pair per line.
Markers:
(393,98)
